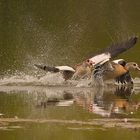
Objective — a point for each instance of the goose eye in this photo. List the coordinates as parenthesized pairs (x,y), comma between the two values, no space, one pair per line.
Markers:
(135,65)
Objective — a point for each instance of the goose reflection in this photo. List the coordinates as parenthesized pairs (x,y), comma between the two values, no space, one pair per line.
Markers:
(66,100)
(107,102)
(117,104)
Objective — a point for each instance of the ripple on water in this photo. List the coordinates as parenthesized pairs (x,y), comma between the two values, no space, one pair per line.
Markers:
(49,79)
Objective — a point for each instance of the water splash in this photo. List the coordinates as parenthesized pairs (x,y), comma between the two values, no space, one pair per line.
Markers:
(37,78)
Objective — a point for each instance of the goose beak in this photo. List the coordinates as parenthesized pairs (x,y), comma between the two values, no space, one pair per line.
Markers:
(138,68)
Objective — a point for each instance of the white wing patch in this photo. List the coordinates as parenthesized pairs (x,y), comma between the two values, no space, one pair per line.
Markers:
(104,57)
(63,68)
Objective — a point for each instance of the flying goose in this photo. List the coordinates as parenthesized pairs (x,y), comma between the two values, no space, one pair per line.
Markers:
(85,68)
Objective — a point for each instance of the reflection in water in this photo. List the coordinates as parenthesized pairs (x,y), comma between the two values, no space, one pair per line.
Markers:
(117,104)
(107,101)
(48,111)
(66,101)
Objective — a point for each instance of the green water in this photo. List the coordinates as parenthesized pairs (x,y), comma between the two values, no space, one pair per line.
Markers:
(38,115)
(63,32)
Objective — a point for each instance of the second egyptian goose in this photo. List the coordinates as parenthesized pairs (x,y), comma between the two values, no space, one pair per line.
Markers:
(117,69)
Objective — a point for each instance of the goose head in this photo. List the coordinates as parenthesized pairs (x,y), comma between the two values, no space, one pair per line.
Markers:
(132,66)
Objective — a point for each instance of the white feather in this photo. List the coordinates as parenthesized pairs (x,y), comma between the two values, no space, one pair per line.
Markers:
(63,68)
(100,58)
(104,61)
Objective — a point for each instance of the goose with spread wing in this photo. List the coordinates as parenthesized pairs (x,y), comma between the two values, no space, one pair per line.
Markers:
(84,69)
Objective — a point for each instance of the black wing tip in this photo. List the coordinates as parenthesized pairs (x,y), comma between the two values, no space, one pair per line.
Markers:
(122,62)
(134,39)
(47,68)
(121,47)
(40,66)
(37,65)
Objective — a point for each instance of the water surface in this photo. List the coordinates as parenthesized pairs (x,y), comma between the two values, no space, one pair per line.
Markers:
(30,110)
(38,105)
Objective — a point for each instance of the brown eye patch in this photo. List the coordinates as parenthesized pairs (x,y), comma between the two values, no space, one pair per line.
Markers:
(134,64)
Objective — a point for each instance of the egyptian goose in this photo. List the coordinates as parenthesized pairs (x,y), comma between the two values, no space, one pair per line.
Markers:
(67,72)
(126,78)
(117,69)
(84,69)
